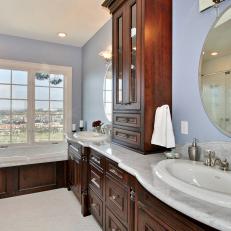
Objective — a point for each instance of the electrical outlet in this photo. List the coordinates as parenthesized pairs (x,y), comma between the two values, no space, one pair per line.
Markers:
(184,127)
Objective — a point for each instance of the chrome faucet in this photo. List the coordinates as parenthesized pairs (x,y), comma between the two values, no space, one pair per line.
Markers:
(212,161)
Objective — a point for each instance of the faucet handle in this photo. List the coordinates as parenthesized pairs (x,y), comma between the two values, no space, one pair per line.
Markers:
(224,165)
(210,154)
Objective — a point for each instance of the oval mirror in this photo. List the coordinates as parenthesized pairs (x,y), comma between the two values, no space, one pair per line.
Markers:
(107,92)
(215,73)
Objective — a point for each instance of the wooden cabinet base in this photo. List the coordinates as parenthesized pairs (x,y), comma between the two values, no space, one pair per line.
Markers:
(26,179)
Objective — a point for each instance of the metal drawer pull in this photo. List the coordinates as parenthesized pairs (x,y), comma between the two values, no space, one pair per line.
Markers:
(95,159)
(113,197)
(93,180)
(122,120)
(93,205)
(115,172)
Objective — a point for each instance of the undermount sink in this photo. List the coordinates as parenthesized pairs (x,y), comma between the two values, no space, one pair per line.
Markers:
(193,178)
(90,136)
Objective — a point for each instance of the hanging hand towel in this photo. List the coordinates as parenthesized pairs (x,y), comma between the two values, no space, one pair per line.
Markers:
(163,131)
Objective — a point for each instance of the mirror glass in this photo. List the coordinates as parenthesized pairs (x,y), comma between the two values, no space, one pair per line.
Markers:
(107,92)
(215,73)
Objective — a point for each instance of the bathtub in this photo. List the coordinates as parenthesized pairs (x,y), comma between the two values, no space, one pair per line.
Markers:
(32,154)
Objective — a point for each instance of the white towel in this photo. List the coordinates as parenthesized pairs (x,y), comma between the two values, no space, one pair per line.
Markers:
(163,131)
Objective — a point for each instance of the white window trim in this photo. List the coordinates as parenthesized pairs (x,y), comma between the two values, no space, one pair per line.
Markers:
(32,68)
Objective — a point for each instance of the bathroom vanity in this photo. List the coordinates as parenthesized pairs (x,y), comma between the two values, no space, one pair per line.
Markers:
(124,194)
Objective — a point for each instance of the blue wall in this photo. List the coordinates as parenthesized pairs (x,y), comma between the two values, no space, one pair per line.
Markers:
(190,29)
(94,69)
(29,50)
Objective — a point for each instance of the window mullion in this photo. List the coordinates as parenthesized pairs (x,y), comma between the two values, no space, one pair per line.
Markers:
(31,110)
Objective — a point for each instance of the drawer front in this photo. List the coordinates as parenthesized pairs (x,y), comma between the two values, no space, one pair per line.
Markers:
(96,207)
(127,137)
(113,223)
(97,159)
(128,120)
(96,180)
(117,199)
(74,153)
(75,147)
(113,170)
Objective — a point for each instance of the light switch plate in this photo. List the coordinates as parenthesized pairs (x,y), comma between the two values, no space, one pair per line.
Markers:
(184,127)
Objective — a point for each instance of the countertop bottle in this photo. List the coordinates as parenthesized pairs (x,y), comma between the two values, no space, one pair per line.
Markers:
(194,151)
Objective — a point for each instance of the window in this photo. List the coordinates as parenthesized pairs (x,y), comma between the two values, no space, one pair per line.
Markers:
(34,104)
(107,93)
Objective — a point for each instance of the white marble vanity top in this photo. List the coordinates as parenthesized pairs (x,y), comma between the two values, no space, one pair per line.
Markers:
(32,154)
(141,166)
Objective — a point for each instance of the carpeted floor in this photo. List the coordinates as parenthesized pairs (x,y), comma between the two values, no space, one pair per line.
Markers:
(56,210)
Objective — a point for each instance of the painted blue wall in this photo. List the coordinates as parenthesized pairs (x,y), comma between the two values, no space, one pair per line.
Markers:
(93,74)
(190,29)
(29,50)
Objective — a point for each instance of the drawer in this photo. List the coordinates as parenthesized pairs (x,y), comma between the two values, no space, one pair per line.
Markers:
(128,120)
(96,180)
(96,207)
(74,153)
(75,147)
(127,137)
(113,170)
(113,223)
(117,199)
(96,159)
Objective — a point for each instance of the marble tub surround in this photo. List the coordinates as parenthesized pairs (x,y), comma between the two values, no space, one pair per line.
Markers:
(32,154)
(142,167)
(222,150)
(72,138)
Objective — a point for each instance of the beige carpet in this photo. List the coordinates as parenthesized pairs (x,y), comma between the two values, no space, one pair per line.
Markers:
(56,210)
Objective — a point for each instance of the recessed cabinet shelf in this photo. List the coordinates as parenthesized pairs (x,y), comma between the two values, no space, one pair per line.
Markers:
(142,65)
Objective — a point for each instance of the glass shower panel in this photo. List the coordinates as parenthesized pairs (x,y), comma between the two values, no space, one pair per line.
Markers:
(214,97)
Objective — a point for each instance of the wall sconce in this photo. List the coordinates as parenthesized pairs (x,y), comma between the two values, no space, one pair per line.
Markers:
(107,56)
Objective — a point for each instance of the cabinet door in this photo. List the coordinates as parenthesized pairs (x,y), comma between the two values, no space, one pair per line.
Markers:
(148,223)
(127,56)
(77,179)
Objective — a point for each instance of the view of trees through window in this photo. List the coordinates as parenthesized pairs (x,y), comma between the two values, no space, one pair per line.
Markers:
(18,122)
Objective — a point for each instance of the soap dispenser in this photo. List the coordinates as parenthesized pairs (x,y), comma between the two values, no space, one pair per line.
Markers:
(194,151)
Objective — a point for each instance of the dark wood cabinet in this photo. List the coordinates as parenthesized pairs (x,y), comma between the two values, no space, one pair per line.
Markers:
(78,173)
(119,203)
(32,178)
(142,68)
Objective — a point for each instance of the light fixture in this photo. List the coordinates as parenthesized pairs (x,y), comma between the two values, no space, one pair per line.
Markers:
(107,55)
(214,53)
(62,34)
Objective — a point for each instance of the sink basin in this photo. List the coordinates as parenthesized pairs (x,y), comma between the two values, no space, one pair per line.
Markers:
(90,136)
(193,178)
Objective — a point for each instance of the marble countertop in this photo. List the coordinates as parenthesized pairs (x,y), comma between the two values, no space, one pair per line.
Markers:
(141,166)
(32,154)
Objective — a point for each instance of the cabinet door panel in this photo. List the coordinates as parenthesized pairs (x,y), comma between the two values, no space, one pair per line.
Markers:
(32,177)
(146,223)
(112,223)
(3,181)
(117,199)
(96,207)
(127,59)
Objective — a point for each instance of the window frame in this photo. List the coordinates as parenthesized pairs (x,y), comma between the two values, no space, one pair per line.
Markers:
(33,68)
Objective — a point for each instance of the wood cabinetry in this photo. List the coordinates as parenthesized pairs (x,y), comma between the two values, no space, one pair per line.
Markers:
(26,179)
(142,68)
(78,174)
(152,214)
(119,203)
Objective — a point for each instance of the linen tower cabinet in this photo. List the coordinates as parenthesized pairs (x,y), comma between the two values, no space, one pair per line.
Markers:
(142,68)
